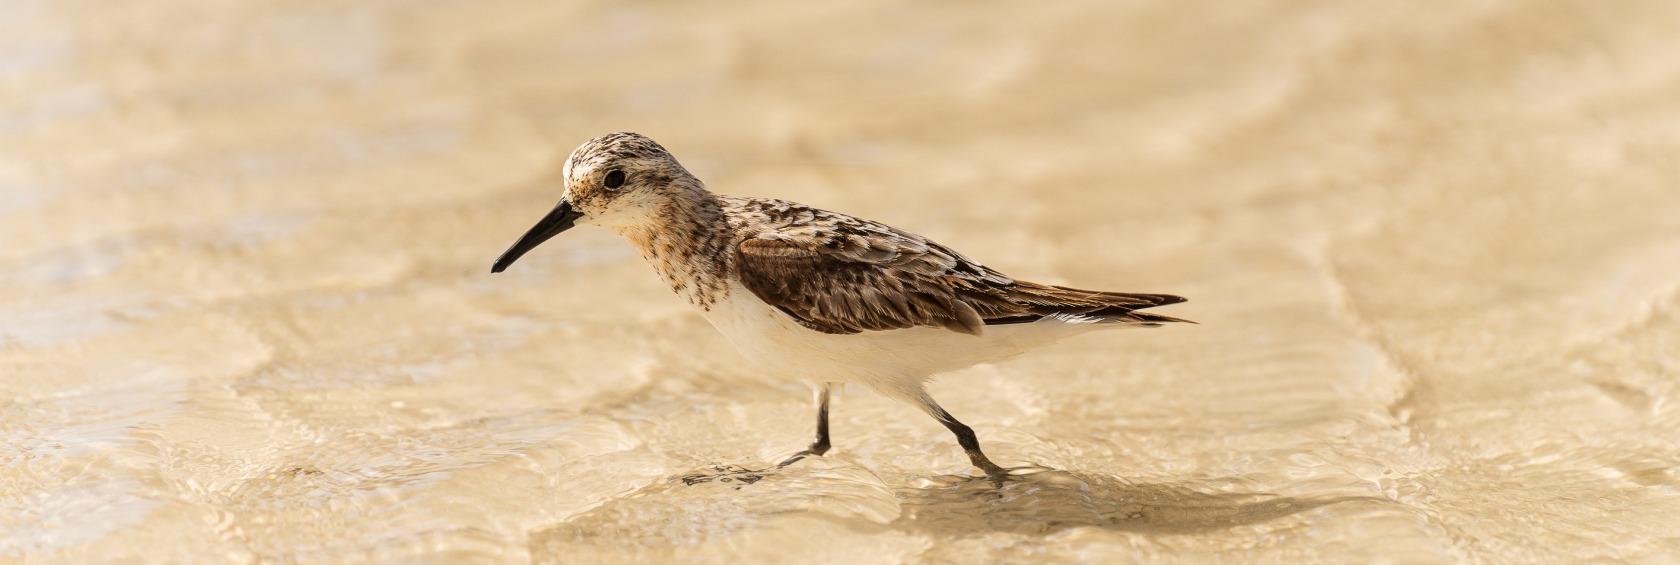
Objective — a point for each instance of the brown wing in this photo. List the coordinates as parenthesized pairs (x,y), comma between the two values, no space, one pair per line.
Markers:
(829,293)
(860,275)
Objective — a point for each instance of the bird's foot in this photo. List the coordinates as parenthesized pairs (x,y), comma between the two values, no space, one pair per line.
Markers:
(745,476)
(985,465)
(797,456)
(998,474)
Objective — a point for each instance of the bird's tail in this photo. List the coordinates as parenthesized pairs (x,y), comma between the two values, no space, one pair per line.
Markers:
(1131,315)
(1089,306)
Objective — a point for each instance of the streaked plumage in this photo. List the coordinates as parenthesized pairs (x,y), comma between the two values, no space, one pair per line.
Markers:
(818,295)
(840,274)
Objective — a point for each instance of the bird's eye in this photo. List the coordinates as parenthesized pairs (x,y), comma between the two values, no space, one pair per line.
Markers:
(614,179)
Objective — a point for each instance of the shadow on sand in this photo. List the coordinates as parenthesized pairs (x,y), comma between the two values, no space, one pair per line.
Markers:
(668,519)
(1057,500)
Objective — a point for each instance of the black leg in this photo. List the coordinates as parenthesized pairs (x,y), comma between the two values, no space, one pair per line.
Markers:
(969,443)
(965,435)
(820,444)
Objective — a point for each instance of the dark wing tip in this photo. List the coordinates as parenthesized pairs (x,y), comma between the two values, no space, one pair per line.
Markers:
(1157,318)
(1153,301)
(1162,299)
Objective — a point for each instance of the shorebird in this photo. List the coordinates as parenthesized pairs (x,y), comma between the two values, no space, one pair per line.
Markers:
(822,296)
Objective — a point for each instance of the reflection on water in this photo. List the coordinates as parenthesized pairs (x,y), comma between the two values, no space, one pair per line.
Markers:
(731,474)
(1049,502)
(670,515)
(666,517)
(246,314)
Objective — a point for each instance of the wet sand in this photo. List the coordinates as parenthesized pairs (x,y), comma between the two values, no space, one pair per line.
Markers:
(246,311)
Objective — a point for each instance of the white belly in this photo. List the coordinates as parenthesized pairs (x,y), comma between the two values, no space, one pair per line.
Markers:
(887,361)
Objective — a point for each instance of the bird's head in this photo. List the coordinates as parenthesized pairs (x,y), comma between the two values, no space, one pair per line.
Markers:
(619,181)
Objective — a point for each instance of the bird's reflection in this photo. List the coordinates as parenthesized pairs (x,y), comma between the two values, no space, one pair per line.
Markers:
(1056,500)
(717,500)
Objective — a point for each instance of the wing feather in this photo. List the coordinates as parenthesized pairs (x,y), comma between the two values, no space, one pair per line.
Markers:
(842,275)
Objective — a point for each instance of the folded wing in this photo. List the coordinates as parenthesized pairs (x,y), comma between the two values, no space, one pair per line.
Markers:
(864,276)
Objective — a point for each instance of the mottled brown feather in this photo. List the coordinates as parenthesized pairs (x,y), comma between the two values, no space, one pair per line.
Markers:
(839,274)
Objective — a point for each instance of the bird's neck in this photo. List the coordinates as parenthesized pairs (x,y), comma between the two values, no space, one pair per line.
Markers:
(686,240)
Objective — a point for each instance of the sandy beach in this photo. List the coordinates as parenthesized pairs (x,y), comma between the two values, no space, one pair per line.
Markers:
(246,312)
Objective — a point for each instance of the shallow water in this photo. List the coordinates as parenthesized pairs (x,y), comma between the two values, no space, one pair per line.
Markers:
(246,313)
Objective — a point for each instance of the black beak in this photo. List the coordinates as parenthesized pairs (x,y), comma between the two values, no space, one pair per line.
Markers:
(559,219)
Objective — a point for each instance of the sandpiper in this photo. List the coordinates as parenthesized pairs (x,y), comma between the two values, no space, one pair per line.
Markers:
(821,296)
